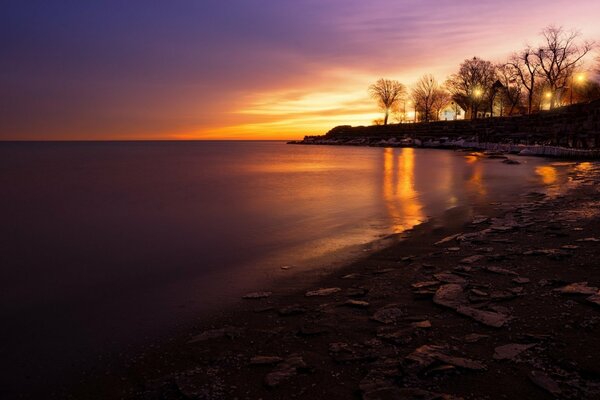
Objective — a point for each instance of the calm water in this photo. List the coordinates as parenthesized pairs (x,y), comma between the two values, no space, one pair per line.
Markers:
(107,244)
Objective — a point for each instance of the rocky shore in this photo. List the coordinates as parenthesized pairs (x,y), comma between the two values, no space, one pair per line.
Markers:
(505,306)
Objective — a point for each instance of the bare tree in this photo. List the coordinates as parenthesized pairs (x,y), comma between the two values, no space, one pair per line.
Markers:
(509,77)
(559,55)
(441,99)
(526,67)
(472,84)
(388,93)
(429,97)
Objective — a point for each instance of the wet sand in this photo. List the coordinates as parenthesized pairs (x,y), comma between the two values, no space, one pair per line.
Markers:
(477,309)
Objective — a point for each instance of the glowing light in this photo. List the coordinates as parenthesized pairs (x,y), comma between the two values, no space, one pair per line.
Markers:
(548,95)
(580,78)
(401,198)
(477,92)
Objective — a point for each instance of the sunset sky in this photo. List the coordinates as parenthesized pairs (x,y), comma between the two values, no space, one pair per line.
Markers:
(240,69)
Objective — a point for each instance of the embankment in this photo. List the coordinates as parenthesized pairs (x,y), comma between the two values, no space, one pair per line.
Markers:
(572,131)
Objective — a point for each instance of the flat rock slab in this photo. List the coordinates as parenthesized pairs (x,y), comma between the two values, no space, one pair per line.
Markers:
(450,295)
(489,318)
(285,370)
(545,382)
(474,338)
(594,299)
(578,288)
(323,292)
(590,239)
(425,356)
(257,295)
(472,259)
(425,284)
(501,271)
(521,280)
(510,351)
(447,239)
(388,315)
(356,303)
(448,277)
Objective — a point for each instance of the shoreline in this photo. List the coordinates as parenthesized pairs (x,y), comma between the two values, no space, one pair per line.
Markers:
(462,145)
(375,332)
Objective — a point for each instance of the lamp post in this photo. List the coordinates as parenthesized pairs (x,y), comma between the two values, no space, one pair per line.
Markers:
(580,79)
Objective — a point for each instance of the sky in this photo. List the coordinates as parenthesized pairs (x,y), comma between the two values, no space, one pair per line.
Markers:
(240,69)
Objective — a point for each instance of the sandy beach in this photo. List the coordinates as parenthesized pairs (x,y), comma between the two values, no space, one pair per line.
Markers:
(502,305)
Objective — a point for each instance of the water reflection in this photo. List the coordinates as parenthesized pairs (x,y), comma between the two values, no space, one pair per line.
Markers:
(401,198)
(475,182)
(547,173)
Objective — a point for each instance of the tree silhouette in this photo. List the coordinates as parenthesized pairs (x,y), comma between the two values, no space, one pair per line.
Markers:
(558,57)
(472,84)
(388,93)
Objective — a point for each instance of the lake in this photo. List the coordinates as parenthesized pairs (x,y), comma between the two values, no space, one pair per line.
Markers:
(104,245)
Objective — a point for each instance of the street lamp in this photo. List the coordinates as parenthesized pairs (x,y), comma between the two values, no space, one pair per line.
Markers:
(580,78)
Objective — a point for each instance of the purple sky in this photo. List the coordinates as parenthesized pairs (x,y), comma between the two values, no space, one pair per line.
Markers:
(240,68)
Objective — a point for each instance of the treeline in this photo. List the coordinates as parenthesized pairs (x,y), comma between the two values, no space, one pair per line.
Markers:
(535,78)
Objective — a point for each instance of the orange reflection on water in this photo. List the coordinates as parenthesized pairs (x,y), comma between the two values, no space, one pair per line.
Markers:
(547,173)
(476,183)
(400,196)
(584,166)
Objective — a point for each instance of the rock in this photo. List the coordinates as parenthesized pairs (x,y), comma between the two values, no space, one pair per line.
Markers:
(488,318)
(577,288)
(420,285)
(589,239)
(510,161)
(460,362)
(450,295)
(293,309)
(425,356)
(448,277)
(352,276)
(545,382)
(594,299)
(474,337)
(447,239)
(399,336)
(471,260)
(285,370)
(479,220)
(257,295)
(356,303)
(569,247)
(265,360)
(521,280)
(478,292)
(323,292)
(421,324)
(501,271)
(227,331)
(453,249)
(286,267)
(388,315)
(510,351)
